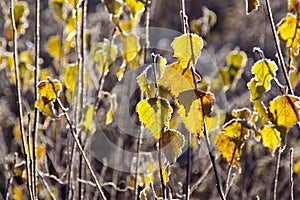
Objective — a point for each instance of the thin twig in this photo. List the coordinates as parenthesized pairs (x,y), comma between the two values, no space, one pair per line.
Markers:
(227,186)
(36,80)
(201,179)
(278,49)
(19,97)
(188,169)
(11,177)
(163,187)
(276,173)
(45,184)
(291,174)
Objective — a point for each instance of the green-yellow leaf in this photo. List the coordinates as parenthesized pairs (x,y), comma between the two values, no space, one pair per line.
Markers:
(284,112)
(255,98)
(155,114)
(130,46)
(57,9)
(270,137)
(171,144)
(193,106)
(113,6)
(184,78)
(187,49)
(70,77)
(289,31)
(53,47)
(264,71)
(88,122)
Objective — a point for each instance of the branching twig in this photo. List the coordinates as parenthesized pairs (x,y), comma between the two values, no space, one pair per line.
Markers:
(277,46)
(19,98)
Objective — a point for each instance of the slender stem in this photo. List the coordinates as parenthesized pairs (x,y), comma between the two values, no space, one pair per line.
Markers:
(36,80)
(291,174)
(163,187)
(276,174)
(278,49)
(229,172)
(19,97)
(188,169)
(11,177)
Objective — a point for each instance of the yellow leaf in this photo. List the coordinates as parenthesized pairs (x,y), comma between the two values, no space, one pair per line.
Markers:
(113,6)
(284,112)
(45,106)
(288,30)
(121,70)
(270,137)
(135,6)
(130,46)
(229,149)
(297,166)
(53,47)
(142,81)
(70,77)
(171,144)
(187,49)
(155,114)
(292,5)
(243,113)
(74,3)
(112,109)
(251,5)
(18,192)
(264,71)
(57,9)
(236,131)
(256,99)
(88,119)
(193,106)
(40,153)
(184,78)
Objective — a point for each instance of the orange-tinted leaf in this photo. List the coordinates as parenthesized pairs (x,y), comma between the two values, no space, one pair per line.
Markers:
(171,144)
(193,106)
(251,5)
(284,112)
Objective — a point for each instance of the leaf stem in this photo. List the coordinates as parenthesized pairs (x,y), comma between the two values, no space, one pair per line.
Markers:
(276,173)
(188,169)
(163,187)
(19,98)
(278,49)
(291,174)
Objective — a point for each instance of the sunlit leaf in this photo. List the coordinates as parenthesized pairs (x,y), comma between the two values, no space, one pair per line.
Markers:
(171,144)
(193,106)
(229,149)
(40,152)
(155,114)
(47,92)
(255,97)
(187,49)
(292,5)
(74,3)
(284,112)
(17,191)
(112,109)
(113,6)
(53,47)
(251,5)
(88,123)
(184,78)
(288,30)
(231,141)
(264,71)
(243,113)
(143,82)
(270,137)
(135,6)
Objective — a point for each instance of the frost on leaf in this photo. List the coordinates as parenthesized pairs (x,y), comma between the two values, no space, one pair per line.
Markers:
(289,32)
(251,5)
(47,93)
(187,49)
(270,137)
(283,112)
(231,141)
(155,114)
(264,71)
(135,6)
(171,144)
(178,79)
(193,106)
